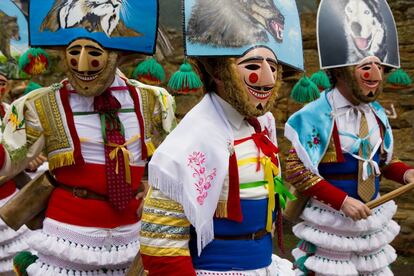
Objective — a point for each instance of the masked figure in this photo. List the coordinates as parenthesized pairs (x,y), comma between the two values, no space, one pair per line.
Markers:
(342,143)
(216,182)
(11,242)
(96,128)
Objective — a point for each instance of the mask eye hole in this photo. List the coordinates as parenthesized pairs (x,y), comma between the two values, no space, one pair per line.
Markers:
(273,69)
(74,52)
(252,67)
(366,68)
(95,53)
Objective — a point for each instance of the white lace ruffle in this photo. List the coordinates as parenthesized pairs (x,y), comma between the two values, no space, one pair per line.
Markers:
(325,266)
(343,241)
(278,267)
(6,266)
(383,272)
(11,249)
(41,269)
(83,254)
(8,234)
(375,260)
(321,214)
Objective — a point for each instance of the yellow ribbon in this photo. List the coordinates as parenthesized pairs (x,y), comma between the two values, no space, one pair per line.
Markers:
(114,154)
(270,170)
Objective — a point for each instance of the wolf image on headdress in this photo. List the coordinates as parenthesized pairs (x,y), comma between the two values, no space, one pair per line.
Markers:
(9,29)
(93,15)
(365,30)
(235,23)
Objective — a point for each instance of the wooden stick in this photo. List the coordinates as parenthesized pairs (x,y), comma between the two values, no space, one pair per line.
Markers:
(391,195)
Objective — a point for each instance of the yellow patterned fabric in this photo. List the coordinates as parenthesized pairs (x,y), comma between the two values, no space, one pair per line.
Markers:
(165,229)
(297,175)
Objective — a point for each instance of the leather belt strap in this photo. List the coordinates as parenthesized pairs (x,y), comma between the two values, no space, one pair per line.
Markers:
(82,192)
(253,236)
(86,193)
(341,176)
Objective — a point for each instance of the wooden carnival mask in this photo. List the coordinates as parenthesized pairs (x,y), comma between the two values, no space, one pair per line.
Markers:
(91,68)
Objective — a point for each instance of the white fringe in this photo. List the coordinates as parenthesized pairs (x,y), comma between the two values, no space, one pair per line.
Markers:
(6,266)
(82,254)
(8,234)
(364,241)
(325,266)
(41,269)
(169,187)
(383,272)
(11,249)
(321,214)
(376,260)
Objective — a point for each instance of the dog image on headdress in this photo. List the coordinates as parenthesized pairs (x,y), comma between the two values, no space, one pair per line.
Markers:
(235,23)
(365,30)
(93,15)
(9,29)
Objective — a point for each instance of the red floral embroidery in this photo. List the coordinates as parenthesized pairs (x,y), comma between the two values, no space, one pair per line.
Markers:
(203,183)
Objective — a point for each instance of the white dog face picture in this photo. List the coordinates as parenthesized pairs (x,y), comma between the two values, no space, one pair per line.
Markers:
(350,30)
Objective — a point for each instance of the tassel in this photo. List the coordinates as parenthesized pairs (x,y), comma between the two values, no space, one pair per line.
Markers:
(22,261)
(34,61)
(321,80)
(30,87)
(305,91)
(185,80)
(149,72)
(399,78)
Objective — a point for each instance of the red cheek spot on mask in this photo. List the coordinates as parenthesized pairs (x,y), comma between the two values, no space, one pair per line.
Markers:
(253,78)
(2,90)
(366,75)
(73,62)
(95,63)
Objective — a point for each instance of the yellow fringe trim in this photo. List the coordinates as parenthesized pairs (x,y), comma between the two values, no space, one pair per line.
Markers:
(221,210)
(61,160)
(150,148)
(159,251)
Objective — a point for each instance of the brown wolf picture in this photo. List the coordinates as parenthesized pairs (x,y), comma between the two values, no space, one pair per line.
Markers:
(235,23)
(9,29)
(93,15)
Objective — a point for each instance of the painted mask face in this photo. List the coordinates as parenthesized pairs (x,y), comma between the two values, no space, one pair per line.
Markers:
(4,86)
(258,72)
(91,68)
(251,82)
(368,75)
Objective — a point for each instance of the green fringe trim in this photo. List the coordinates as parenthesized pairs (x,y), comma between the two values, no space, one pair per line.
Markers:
(149,71)
(17,155)
(22,261)
(185,80)
(321,80)
(399,78)
(305,91)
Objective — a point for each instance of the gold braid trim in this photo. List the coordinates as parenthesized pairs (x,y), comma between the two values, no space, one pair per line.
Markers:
(162,252)
(302,181)
(153,235)
(167,205)
(221,210)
